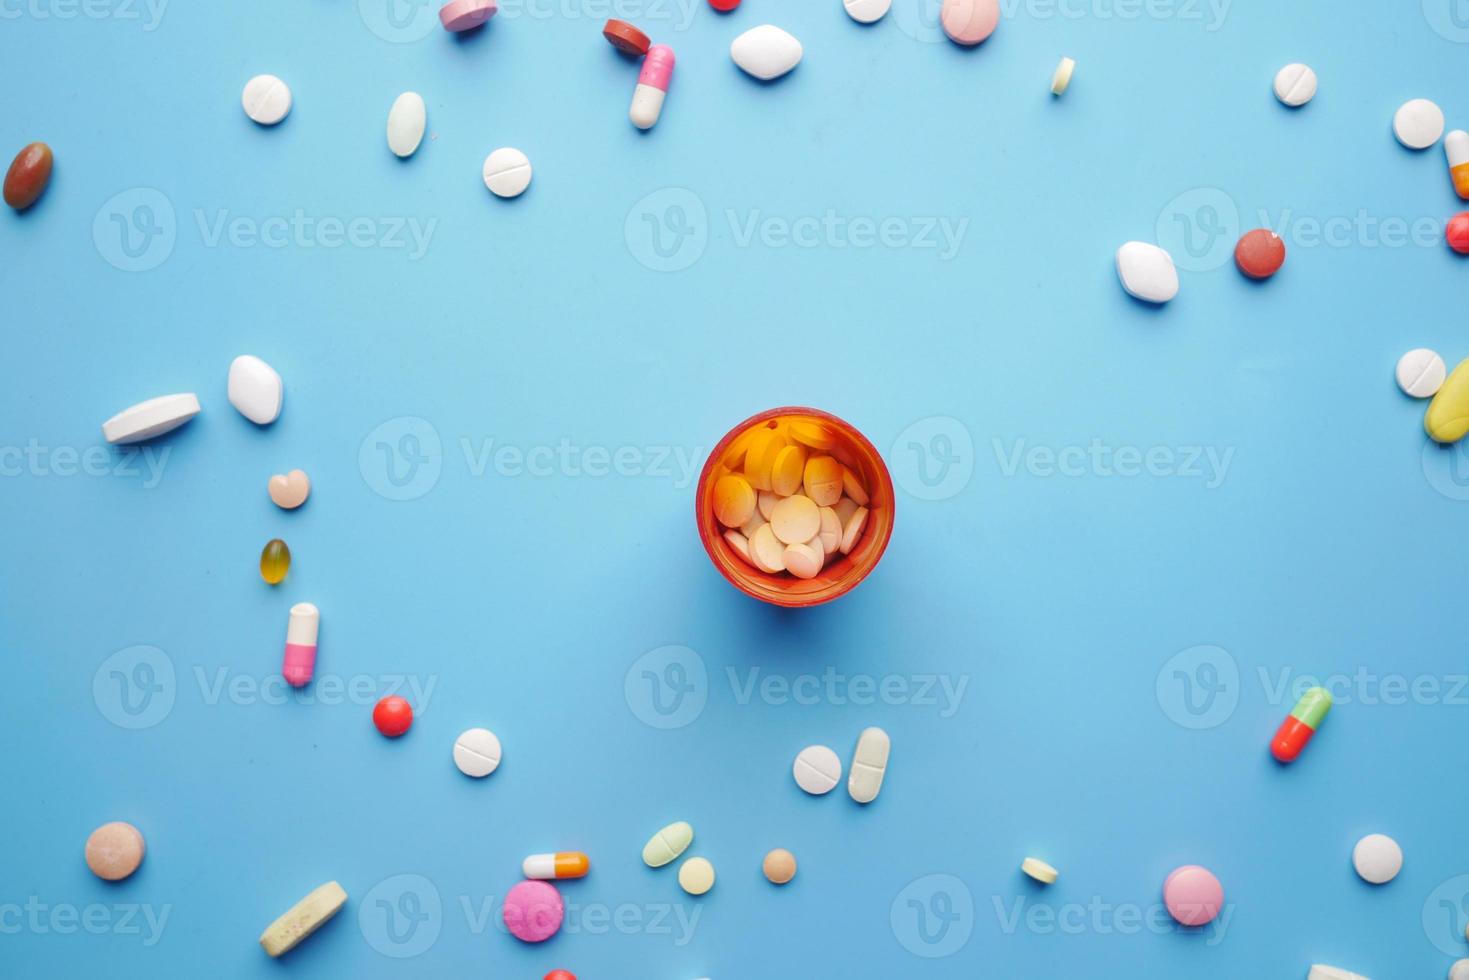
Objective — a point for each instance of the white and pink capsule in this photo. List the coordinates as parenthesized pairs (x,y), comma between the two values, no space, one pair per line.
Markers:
(300,660)
(647,98)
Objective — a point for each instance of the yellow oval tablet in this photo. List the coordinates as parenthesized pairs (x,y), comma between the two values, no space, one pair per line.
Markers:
(760,457)
(1447,419)
(787,470)
(665,846)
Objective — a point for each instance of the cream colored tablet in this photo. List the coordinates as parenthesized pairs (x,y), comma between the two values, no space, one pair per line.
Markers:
(823,480)
(151,418)
(804,560)
(831,532)
(1039,870)
(852,486)
(1061,78)
(407,120)
(795,520)
(740,544)
(767,552)
(869,765)
(852,531)
(1319,972)
(787,470)
(766,502)
(304,918)
(665,846)
(696,876)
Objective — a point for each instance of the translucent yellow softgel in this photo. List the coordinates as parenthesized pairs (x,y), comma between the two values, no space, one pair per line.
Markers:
(1448,414)
(275,561)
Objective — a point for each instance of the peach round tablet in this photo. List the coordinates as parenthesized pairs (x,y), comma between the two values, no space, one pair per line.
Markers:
(787,470)
(795,520)
(114,851)
(533,911)
(464,15)
(969,22)
(779,866)
(734,500)
(696,875)
(1193,895)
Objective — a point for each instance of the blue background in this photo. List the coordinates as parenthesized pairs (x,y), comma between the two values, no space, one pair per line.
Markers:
(1331,546)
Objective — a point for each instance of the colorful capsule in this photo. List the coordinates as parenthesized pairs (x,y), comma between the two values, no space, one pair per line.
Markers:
(1456,147)
(275,561)
(1297,729)
(653,81)
(567,865)
(301,630)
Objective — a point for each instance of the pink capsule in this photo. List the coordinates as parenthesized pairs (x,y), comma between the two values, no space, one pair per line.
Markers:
(300,661)
(647,99)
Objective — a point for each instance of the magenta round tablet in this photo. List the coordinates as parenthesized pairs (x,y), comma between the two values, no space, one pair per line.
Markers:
(464,15)
(1193,895)
(533,911)
(969,22)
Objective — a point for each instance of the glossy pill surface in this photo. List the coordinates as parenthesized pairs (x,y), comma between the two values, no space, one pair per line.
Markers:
(114,851)
(968,22)
(393,716)
(1456,233)
(28,176)
(626,38)
(1259,253)
(567,864)
(1301,724)
(275,561)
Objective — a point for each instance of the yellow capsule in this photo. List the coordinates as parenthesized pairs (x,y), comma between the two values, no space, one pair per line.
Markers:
(275,561)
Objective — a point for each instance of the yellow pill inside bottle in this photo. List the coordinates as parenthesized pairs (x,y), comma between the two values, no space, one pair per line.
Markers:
(275,561)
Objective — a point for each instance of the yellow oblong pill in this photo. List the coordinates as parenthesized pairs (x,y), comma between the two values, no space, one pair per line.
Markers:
(1040,871)
(1447,419)
(304,918)
(665,846)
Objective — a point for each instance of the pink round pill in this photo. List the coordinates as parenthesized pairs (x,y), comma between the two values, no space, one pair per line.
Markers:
(1193,895)
(969,22)
(464,15)
(533,911)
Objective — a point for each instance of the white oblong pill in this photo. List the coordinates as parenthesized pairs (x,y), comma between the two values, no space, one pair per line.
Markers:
(151,418)
(767,551)
(852,530)
(766,52)
(255,389)
(795,520)
(1319,972)
(1421,373)
(867,11)
(1377,858)
(507,172)
(817,770)
(869,765)
(1147,272)
(1418,124)
(1039,870)
(266,99)
(407,120)
(1061,77)
(477,752)
(766,502)
(853,488)
(303,625)
(831,531)
(1295,84)
(740,544)
(804,560)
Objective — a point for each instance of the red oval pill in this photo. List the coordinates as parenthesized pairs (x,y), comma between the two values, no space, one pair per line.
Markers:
(1457,233)
(724,6)
(393,716)
(626,38)
(1260,253)
(560,975)
(28,176)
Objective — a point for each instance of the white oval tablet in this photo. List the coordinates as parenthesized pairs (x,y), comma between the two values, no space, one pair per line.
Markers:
(1421,373)
(1377,858)
(1460,970)
(266,99)
(1418,124)
(804,560)
(852,530)
(740,544)
(831,531)
(407,120)
(151,418)
(507,172)
(477,752)
(1295,84)
(1061,78)
(817,770)
(869,765)
(867,11)
(1147,272)
(1319,972)
(767,52)
(767,552)
(255,389)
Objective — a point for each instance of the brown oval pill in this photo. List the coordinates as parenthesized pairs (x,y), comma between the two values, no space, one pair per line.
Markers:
(626,38)
(28,176)
(114,851)
(780,866)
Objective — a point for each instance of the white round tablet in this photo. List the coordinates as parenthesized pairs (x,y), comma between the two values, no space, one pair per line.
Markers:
(507,172)
(1421,373)
(817,770)
(477,752)
(1459,971)
(867,11)
(1295,84)
(1418,124)
(1377,858)
(266,99)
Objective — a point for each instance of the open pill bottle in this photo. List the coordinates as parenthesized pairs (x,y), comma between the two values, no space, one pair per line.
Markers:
(838,439)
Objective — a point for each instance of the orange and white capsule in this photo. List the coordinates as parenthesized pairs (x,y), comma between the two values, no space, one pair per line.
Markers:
(572,864)
(1456,146)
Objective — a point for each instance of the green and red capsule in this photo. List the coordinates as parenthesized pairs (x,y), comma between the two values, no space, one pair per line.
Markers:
(1302,723)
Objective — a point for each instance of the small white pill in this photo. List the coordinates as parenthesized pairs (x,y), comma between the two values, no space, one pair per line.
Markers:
(266,99)
(869,765)
(817,770)
(1147,272)
(831,531)
(767,52)
(1039,870)
(507,172)
(477,752)
(767,551)
(740,544)
(1062,76)
(151,418)
(1377,858)
(853,486)
(1319,972)
(1460,970)
(795,520)
(1418,124)
(407,120)
(867,11)
(852,531)
(1295,84)
(804,560)
(255,389)
(1421,373)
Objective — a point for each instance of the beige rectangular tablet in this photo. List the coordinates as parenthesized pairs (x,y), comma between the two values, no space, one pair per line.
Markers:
(304,918)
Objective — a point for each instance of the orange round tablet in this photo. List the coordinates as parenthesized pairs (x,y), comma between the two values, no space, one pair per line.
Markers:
(114,851)
(626,38)
(1260,253)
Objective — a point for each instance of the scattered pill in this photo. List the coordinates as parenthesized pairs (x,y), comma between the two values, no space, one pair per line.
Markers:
(652,90)
(267,99)
(1418,124)
(1460,970)
(1421,373)
(1193,895)
(28,176)
(787,471)
(533,911)
(869,765)
(795,520)
(1259,253)
(734,500)
(1301,724)
(1061,78)
(822,480)
(1456,148)
(817,770)
(302,628)
(304,918)
(255,389)
(766,52)
(289,490)
(867,11)
(560,975)
(1377,858)
(767,552)
(696,876)
(1039,870)
(1295,85)
(665,846)
(779,866)
(1447,418)
(852,530)
(275,561)
(968,22)
(507,172)
(724,6)
(626,38)
(393,716)
(466,15)
(1456,233)
(407,120)
(1319,972)
(114,850)
(477,752)
(151,418)
(1147,272)
(568,864)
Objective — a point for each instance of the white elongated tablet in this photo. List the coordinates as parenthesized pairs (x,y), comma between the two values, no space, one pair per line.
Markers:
(665,846)
(477,752)
(1421,373)
(867,11)
(507,172)
(1295,84)
(304,918)
(1061,78)
(255,389)
(266,99)
(831,532)
(817,770)
(1418,124)
(1319,972)
(869,765)
(1040,871)
(1147,272)
(852,530)
(740,544)
(151,418)
(407,120)
(1377,858)
(766,52)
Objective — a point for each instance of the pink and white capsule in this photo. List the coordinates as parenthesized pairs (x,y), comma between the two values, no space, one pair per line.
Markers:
(301,629)
(647,99)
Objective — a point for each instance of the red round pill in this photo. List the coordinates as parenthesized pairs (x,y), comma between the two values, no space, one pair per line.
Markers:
(393,716)
(626,38)
(560,975)
(1260,253)
(724,6)
(1457,233)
